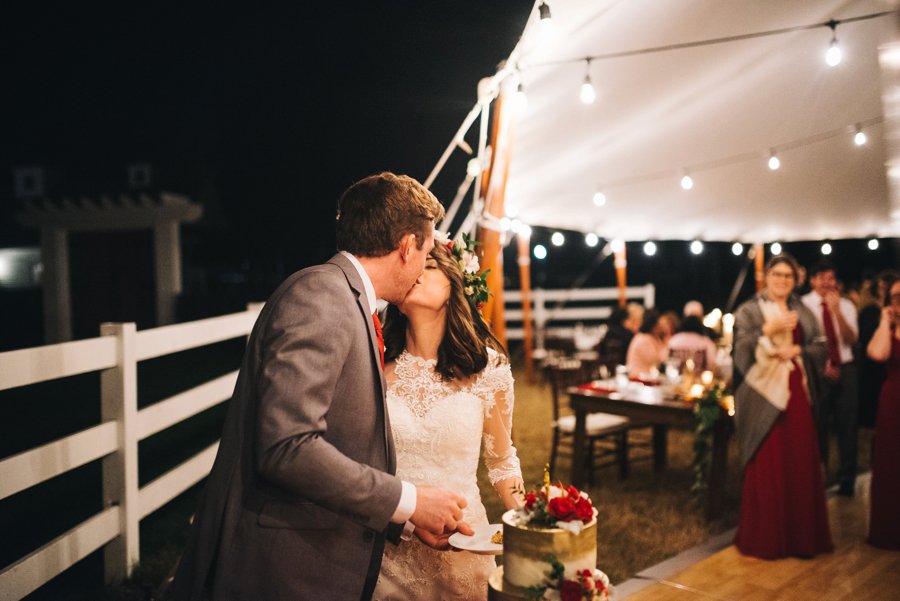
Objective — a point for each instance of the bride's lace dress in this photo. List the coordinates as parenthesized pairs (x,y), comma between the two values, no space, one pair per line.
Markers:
(440,429)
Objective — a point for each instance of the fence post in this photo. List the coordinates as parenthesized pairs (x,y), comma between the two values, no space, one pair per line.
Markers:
(540,321)
(118,399)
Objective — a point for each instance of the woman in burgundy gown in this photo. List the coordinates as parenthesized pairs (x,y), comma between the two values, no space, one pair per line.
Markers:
(884,522)
(778,354)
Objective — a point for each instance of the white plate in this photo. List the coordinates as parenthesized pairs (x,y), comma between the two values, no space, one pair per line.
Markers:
(480,542)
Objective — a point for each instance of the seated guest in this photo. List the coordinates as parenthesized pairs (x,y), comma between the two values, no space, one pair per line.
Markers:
(694,308)
(615,343)
(884,521)
(649,348)
(691,343)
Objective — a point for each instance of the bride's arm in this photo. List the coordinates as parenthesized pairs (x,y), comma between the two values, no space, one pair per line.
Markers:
(499,453)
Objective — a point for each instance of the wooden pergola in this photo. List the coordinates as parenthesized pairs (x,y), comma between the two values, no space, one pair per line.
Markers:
(162,214)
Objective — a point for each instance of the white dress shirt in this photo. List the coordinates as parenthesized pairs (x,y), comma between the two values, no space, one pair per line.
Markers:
(407,505)
(848,311)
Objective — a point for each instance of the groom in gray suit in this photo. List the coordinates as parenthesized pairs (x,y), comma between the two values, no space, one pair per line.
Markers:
(302,494)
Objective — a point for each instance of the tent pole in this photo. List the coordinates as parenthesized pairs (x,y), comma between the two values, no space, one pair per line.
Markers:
(457,138)
(758,258)
(621,264)
(524,243)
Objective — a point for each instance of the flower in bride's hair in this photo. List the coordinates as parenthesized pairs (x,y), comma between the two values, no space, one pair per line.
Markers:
(475,284)
(470,262)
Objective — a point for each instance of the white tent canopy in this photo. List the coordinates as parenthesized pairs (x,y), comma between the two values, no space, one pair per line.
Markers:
(715,110)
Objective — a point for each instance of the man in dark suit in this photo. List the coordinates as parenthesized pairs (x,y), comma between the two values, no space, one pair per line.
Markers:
(302,493)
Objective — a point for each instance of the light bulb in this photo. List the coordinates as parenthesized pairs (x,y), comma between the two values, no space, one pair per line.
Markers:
(860,138)
(873,244)
(833,55)
(775,248)
(649,248)
(540,251)
(473,167)
(774,162)
(588,94)
(687,182)
(696,247)
(826,249)
(591,239)
(558,239)
(617,246)
(599,198)
(737,248)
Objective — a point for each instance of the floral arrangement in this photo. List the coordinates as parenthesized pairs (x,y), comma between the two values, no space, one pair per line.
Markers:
(474,283)
(708,410)
(587,586)
(555,506)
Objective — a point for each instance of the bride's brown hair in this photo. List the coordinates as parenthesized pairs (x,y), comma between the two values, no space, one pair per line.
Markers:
(464,348)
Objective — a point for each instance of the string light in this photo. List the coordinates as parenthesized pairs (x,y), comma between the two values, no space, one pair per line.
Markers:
(826,249)
(687,182)
(591,239)
(558,239)
(833,55)
(696,247)
(776,248)
(525,230)
(873,244)
(599,198)
(540,251)
(860,137)
(774,161)
(588,94)
(737,248)
(547,29)
(617,246)
(649,248)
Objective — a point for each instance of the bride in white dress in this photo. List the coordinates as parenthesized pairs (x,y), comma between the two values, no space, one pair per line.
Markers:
(450,398)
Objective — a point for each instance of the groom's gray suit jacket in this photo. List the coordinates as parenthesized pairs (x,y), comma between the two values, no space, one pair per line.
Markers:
(302,489)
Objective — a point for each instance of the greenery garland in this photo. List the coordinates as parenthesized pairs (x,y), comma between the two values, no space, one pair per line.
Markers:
(707,411)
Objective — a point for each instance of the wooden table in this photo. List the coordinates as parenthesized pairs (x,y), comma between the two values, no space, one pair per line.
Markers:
(645,406)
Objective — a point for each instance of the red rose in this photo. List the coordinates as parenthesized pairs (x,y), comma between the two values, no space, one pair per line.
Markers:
(450,245)
(570,591)
(530,500)
(574,494)
(561,508)
(584,511)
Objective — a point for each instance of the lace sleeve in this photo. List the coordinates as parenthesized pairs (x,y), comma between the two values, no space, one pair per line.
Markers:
(495,388)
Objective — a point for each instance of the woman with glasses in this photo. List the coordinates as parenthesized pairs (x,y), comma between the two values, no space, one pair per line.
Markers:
(884,522)
(779,354)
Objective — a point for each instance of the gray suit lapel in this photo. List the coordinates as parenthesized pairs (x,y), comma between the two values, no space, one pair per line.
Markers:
(361,301)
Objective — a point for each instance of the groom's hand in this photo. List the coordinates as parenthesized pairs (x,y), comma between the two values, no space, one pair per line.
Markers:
(441,542)
(437,510)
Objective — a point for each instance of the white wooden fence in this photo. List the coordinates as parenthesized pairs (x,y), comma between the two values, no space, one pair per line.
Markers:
(543,315)
(115,440)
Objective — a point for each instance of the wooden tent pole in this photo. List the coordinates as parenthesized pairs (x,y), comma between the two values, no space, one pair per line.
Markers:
(621,264)
(759,263)
(524,246)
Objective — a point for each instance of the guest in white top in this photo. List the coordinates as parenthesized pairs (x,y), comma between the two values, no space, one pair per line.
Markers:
(839,406)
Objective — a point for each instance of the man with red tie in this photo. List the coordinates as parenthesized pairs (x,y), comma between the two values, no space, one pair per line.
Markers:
(839,407)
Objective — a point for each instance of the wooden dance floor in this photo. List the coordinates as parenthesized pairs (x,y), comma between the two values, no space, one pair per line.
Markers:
(855,571)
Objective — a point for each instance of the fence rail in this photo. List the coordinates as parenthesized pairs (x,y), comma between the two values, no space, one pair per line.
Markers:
(115,355)
(549,307)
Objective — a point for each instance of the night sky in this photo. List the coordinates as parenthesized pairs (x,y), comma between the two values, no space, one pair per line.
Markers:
(265,115)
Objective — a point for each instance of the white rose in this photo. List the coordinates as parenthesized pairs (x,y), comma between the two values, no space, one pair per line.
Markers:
(470,263)
(469,291)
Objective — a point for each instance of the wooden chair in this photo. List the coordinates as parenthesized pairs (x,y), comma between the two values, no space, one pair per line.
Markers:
(607,434)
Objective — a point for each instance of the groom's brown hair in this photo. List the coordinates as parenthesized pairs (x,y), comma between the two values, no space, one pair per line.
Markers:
(377,211)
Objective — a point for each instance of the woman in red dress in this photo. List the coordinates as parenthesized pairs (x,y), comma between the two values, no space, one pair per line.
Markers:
(884,522)
(778,354)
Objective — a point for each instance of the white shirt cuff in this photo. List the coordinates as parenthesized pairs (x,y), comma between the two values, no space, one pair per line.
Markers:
(408,530)
(407,505)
